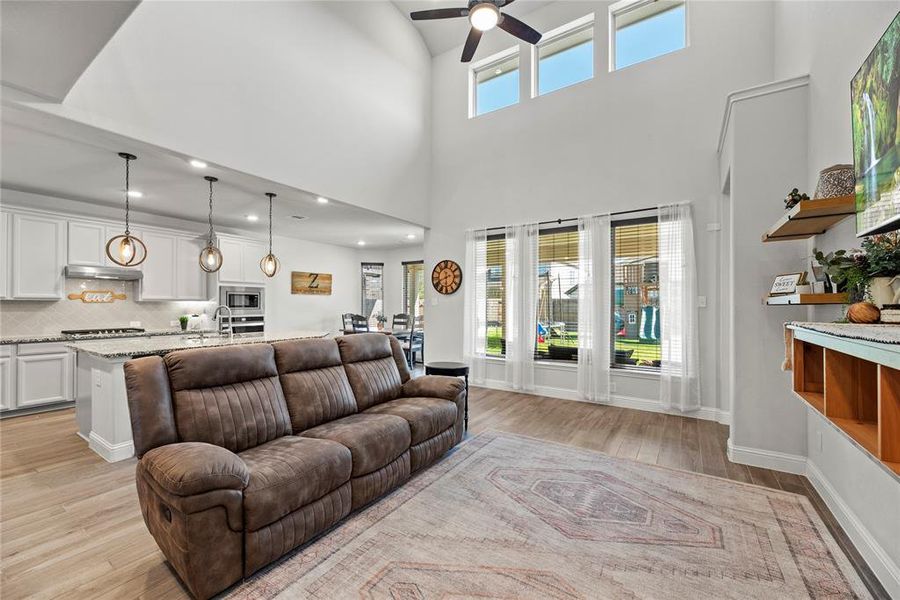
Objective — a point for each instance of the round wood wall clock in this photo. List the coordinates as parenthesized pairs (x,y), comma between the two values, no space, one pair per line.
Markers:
(446,277)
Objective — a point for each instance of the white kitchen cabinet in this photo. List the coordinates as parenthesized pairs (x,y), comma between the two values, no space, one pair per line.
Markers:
(159,268)
(5,259)
(44,374)
(190,279)
(240,261)
(7,381)
(232,260)
(38,257)
(87,244)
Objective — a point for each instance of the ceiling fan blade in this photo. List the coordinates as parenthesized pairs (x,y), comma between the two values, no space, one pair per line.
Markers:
(519,29)
(438,13)
(471,44)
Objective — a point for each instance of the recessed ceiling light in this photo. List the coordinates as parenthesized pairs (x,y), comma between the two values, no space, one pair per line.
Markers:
(498,71)
(135,194)
(322,200)
(410,236)
(198,164)
(252,218)
(361,243)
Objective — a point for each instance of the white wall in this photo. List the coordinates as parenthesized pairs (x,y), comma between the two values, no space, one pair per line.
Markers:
(330,97)
(285,311)
(634,138)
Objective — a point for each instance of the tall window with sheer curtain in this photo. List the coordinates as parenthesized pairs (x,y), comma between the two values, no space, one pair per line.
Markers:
(414,291)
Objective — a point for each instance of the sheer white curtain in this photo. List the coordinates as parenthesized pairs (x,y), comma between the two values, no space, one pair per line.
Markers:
(594,307)
(680,369)
(475,320)
(521,304)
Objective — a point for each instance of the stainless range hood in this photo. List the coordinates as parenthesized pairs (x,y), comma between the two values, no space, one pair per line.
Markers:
(109,273)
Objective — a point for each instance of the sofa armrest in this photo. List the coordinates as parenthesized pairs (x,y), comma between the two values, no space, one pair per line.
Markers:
(434,386)
(190,468)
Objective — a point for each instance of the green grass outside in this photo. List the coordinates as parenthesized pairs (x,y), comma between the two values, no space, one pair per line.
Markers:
(643,350)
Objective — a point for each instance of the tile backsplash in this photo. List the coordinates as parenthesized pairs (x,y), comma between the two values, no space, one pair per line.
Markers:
(25,317)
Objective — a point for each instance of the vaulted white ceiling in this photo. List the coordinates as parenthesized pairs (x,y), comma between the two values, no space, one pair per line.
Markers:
(445,34)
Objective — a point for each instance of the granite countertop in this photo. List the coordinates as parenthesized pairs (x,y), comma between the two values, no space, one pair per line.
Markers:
(123,348)
(58,337)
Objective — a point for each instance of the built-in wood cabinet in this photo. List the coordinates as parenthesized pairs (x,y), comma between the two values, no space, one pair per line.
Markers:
(855,385)
(38,256)
(240,261)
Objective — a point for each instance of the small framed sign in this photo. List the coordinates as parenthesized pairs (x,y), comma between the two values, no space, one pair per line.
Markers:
(786,284)
(313,284)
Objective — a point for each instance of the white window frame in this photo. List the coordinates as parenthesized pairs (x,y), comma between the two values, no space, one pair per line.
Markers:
(618,9)
(487,63)
(572,28)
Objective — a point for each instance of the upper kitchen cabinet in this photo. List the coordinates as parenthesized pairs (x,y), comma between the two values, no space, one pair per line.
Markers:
(240,261)
(38,256)
(87,243)
(172,269)
(5,247)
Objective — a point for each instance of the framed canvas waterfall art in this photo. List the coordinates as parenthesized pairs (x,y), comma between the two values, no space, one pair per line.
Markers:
(875,115)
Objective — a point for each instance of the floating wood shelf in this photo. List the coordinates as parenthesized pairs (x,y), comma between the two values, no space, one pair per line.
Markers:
(811,217)
(792,299)
(853,389)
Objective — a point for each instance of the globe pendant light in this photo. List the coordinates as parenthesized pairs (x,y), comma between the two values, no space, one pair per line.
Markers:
(270,263)
(211,256)
(126,250)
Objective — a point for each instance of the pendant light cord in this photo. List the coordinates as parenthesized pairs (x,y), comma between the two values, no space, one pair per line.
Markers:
(210,237)
(127,187)
(270,195)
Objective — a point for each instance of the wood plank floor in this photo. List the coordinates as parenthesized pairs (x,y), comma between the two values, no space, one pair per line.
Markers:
(70,525)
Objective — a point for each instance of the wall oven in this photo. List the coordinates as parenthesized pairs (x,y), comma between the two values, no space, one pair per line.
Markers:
(243,300)
(242,324)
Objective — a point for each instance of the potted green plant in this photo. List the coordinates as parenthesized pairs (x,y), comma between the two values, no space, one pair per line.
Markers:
(183,319)
(883,255)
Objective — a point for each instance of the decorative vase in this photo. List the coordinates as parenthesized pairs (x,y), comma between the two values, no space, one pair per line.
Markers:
(835,181)
(381,327)
(881,290)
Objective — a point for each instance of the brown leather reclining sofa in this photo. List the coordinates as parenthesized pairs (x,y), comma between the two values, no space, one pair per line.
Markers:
(246,452)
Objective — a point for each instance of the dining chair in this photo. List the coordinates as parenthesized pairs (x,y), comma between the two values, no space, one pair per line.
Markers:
(359,324)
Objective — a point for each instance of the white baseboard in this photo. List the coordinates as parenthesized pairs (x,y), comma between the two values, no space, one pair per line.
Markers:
(705,413)
(885,569)
(767,459)
(110,452)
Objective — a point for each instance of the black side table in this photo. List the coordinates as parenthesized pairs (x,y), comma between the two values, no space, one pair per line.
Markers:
(453,369)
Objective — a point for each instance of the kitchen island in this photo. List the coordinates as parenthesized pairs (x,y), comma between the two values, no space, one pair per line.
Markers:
(101,404)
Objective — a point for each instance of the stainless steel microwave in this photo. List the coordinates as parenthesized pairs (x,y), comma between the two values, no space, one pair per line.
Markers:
(243,300)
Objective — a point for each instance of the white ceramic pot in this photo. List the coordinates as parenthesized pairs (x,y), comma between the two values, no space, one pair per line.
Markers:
(882,292)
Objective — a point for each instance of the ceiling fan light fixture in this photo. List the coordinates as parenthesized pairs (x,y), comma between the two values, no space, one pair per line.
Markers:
(484,16)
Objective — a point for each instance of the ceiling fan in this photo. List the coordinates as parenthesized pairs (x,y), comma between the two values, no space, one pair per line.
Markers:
(483,15)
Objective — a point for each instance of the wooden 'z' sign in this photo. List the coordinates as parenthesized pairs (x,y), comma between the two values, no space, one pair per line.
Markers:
(318,284)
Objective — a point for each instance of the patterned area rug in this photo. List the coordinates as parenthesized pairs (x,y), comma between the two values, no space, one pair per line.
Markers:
(509,517)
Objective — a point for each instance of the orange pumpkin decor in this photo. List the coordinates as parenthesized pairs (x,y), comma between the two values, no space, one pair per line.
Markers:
(863,312)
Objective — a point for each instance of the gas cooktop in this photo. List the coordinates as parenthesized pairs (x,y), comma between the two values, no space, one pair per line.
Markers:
(101,331)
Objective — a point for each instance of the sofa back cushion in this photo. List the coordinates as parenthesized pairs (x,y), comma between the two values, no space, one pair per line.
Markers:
(228,396)
(149,404)
(371,370)
(314,382)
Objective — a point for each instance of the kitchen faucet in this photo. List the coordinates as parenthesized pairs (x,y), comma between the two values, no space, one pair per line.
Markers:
(230,323)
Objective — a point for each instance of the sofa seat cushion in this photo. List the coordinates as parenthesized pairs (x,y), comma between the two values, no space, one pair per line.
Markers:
(288,473)
(427,417)
(373,440)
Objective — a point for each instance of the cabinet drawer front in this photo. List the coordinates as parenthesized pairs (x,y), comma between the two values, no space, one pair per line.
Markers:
(42,348)
(43,378)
